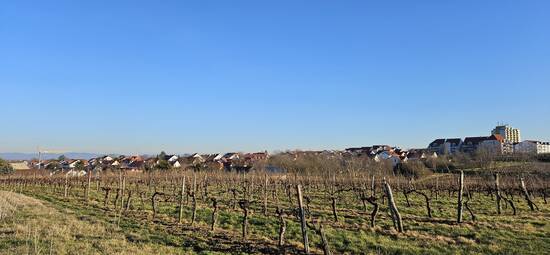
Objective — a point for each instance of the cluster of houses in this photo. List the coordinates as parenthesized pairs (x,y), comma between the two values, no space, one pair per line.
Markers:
(227,161)
(503,140)
(395,155)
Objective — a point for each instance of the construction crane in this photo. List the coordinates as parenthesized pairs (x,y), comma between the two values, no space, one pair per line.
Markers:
(41,152)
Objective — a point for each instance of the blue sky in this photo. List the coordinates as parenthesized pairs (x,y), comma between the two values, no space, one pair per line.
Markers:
(210,76)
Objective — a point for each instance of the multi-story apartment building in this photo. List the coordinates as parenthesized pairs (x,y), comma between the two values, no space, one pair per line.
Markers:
(532,147)
(510,134)
(445,146)
(493,144)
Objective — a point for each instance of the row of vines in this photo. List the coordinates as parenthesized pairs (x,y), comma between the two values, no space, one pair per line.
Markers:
(310,201)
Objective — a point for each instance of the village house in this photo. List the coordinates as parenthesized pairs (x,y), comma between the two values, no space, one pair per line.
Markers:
(251,157)
(218,157)
(378,153)
(358,151)
(75,173)
(231,156)
(197,159)
(421,154)
(20,165)
(380,148)
(115,164)
(136,164)
(171,158)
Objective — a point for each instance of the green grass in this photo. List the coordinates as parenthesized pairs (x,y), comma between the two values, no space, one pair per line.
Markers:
(136,233)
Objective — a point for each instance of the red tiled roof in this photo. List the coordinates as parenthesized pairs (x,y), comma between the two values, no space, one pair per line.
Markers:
(497,137)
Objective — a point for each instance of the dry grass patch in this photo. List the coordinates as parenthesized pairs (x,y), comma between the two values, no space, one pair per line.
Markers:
(31,227)
(10,202)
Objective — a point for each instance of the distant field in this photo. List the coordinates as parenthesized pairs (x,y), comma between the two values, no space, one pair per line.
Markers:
(47,222)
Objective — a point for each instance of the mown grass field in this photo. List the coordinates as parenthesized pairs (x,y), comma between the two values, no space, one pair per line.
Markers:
(45,222)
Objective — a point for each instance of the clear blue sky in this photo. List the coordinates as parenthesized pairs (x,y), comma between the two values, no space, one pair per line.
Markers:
(209,76)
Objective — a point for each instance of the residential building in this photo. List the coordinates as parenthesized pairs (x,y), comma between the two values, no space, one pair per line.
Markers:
(532,147)
(197,159)
(471,144)
(510,134)
(389,156)
(493,144)
(379,148)
(172,158)
(421,154)
(257,156)
(418,154)
(359,150)
(452,145)
(134,163)
(445,146)
(436,145)
(18,166)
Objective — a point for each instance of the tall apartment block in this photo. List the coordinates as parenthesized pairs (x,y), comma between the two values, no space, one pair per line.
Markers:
(510,134)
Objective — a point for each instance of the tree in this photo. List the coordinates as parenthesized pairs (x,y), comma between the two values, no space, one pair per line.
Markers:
(162,156)
(61,158)
(79,165)
(198,166)
(5,167)
(485,158)
(163,165)
(415,169)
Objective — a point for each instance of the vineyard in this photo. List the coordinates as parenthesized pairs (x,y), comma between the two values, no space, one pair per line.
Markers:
(343,212)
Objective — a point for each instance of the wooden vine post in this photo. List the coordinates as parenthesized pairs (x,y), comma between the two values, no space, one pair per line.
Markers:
(123,190)
(302,218)
(324,241)
(180,216)
(396,216)
(460,194)
(373,186)
(194,200)
(266,182)
(88,186)
(497,190)
(66,185)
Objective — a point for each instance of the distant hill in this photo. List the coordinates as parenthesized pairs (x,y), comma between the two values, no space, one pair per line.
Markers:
(29,156)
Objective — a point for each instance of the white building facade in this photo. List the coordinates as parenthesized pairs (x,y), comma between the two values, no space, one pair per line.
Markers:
(532,147)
